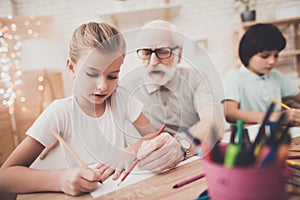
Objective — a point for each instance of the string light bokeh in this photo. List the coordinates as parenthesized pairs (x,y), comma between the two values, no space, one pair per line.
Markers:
(14,30)
(10,66)
(10,58)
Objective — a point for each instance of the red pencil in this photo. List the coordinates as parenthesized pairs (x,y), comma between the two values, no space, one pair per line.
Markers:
(137,160)
(293,157)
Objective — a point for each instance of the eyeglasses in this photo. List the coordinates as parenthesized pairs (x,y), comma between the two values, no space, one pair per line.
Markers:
(161,53)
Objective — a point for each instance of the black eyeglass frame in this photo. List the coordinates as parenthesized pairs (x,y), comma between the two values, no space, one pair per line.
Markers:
(155,51)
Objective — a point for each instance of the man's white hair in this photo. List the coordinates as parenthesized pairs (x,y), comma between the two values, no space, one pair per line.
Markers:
(162,24)
(165,25)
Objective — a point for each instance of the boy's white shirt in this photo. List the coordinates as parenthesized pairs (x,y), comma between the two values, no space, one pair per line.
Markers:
(93,139)
(255,93)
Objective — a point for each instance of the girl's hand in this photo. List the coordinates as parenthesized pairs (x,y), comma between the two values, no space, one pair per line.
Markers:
(77,181)
(160,153)
(116,165)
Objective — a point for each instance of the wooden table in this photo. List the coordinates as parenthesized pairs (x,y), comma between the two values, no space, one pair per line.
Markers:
(155,187)
(160,186)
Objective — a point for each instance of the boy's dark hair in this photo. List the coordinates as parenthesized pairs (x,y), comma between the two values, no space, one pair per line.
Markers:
(259,38)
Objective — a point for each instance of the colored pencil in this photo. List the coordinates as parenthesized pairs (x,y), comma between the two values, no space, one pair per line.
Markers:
(189,180)
(256,146)
(68,148)
(294,183)
(137,160)
(294,149)
(293,157)
(293,164)
(129,170)
(282,104)
(296,174)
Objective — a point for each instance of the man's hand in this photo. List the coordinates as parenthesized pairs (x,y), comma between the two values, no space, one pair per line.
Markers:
(161,153)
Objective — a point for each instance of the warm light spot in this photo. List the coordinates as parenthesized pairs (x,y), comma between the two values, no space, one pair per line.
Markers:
(18,92)
(29,31)
(13,27)
(41,88)
(12,55)
(41,78)
(16,47)
(22,99)
(4,29)
(8,36)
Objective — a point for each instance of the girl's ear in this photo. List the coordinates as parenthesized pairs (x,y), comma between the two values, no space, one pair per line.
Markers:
(71,68)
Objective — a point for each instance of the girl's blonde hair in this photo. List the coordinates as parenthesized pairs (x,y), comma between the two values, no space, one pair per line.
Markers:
(101,36)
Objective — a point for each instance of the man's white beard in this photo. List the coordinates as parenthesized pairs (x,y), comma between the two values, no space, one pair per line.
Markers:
(163,74)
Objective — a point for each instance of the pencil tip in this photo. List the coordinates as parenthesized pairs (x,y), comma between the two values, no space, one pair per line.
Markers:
(175,186)
(100,181)
(119,184)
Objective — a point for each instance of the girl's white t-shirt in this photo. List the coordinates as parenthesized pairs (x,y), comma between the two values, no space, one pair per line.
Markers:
(93,139)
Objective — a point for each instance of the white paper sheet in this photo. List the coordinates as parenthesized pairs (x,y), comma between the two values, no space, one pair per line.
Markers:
(136,175)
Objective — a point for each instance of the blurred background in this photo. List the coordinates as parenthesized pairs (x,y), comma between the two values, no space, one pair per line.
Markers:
(34,38)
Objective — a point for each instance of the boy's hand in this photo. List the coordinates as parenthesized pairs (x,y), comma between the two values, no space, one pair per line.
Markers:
(161,153)
(293,116)
(77,181)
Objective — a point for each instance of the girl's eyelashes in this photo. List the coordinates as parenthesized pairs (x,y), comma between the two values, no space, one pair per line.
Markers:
(96,75)
(93,75)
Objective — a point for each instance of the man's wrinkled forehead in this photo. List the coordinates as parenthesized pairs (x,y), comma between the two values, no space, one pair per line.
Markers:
(154,37)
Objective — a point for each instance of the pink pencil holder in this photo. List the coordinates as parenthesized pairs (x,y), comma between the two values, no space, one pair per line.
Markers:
(245,183)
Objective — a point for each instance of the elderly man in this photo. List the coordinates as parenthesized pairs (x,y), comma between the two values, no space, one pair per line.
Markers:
(172,95)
